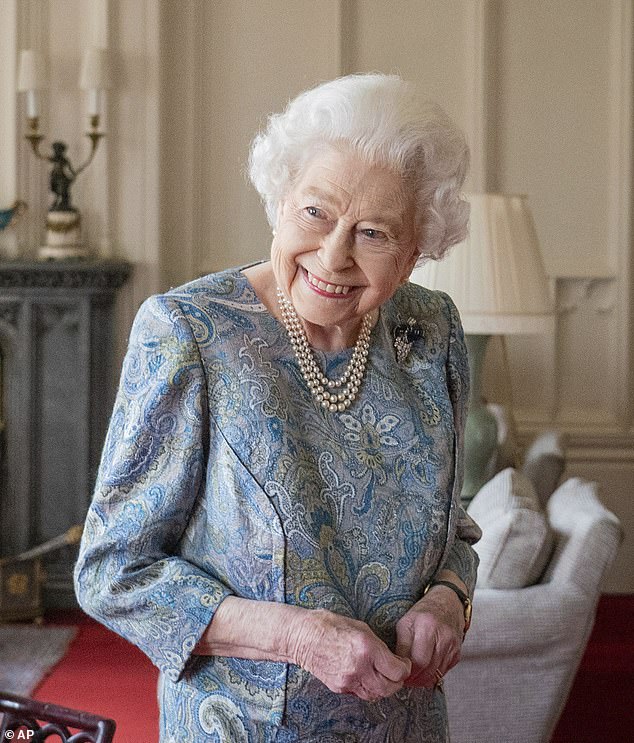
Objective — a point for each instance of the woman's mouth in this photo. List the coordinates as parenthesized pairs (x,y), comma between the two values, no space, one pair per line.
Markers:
(325,288)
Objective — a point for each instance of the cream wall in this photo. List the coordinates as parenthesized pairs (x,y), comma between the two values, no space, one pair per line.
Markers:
(542,88)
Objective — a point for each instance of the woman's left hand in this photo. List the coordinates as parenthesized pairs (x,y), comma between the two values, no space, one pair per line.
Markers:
(430,635)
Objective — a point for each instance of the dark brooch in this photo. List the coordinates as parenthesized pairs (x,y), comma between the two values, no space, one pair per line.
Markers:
(404,338)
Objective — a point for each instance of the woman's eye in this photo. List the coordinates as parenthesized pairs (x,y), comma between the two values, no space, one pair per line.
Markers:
(373,234)
(314,211)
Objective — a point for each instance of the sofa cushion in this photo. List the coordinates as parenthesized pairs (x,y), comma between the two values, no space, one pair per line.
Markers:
(516,538)
(544,464)
(507,452)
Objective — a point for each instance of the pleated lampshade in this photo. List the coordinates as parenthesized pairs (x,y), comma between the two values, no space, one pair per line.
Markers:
(496,276)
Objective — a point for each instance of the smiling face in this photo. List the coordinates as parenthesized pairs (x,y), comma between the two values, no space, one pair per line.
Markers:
(345,241)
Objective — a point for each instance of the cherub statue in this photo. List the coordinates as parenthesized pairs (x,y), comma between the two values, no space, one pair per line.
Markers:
(62,175)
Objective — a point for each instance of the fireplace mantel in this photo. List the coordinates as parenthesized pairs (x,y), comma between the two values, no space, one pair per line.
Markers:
(57,395)
(91,275)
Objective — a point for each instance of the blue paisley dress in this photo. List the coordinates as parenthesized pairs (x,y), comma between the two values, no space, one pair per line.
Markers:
(221,476)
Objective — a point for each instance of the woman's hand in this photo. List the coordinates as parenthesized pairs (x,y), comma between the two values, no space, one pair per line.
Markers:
(430,634)
(342,653)
(348,657)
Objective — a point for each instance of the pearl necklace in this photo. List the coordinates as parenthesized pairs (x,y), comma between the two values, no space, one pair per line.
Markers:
(335,395)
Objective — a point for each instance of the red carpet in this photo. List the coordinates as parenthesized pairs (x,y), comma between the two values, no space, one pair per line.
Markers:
(106,675)
(600,708)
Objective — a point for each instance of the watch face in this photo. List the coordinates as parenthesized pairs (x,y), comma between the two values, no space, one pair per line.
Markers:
(468,608)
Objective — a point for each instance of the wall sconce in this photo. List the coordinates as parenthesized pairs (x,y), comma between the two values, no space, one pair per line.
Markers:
(63,221)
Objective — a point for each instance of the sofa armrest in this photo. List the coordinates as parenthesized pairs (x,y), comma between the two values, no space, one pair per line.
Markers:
(587,536)
(527,620)
(518,663)
(521,654)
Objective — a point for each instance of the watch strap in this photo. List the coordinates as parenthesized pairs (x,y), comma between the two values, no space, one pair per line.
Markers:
(464,600)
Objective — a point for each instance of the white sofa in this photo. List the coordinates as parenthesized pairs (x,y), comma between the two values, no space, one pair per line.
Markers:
(522,652)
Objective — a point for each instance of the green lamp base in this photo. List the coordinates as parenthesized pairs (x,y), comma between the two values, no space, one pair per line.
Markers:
(481,427)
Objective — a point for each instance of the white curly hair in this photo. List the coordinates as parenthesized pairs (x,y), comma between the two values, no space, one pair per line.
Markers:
(381,119)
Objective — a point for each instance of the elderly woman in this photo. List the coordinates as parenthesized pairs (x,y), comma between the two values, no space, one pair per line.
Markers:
(276,519)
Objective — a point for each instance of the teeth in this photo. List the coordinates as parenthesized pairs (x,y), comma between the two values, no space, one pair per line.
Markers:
(330,288)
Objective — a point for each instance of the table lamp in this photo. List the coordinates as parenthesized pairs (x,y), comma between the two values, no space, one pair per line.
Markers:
(497,279)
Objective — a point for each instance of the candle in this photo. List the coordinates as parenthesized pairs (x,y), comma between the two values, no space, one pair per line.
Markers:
(94,101)
(32,104)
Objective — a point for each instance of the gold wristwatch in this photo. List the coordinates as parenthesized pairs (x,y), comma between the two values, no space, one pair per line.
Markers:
(464,600)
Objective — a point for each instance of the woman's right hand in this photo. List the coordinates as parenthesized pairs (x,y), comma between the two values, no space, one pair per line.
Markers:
(347,656)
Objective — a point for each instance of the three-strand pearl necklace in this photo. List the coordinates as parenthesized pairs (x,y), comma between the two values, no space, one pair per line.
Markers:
(335,395)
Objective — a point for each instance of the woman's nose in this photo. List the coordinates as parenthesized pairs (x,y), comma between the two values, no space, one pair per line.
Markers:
(335,250)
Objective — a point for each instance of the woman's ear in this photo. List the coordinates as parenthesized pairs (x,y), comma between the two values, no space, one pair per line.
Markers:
(409,265)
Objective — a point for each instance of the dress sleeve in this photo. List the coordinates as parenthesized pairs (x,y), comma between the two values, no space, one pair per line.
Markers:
(129,574)
(462,558)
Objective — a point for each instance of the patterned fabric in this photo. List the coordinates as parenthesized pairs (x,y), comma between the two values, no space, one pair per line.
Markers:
(220,476)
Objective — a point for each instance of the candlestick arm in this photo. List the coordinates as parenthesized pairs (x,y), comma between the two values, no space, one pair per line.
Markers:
(34,137)
(94,143)
(94,135)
